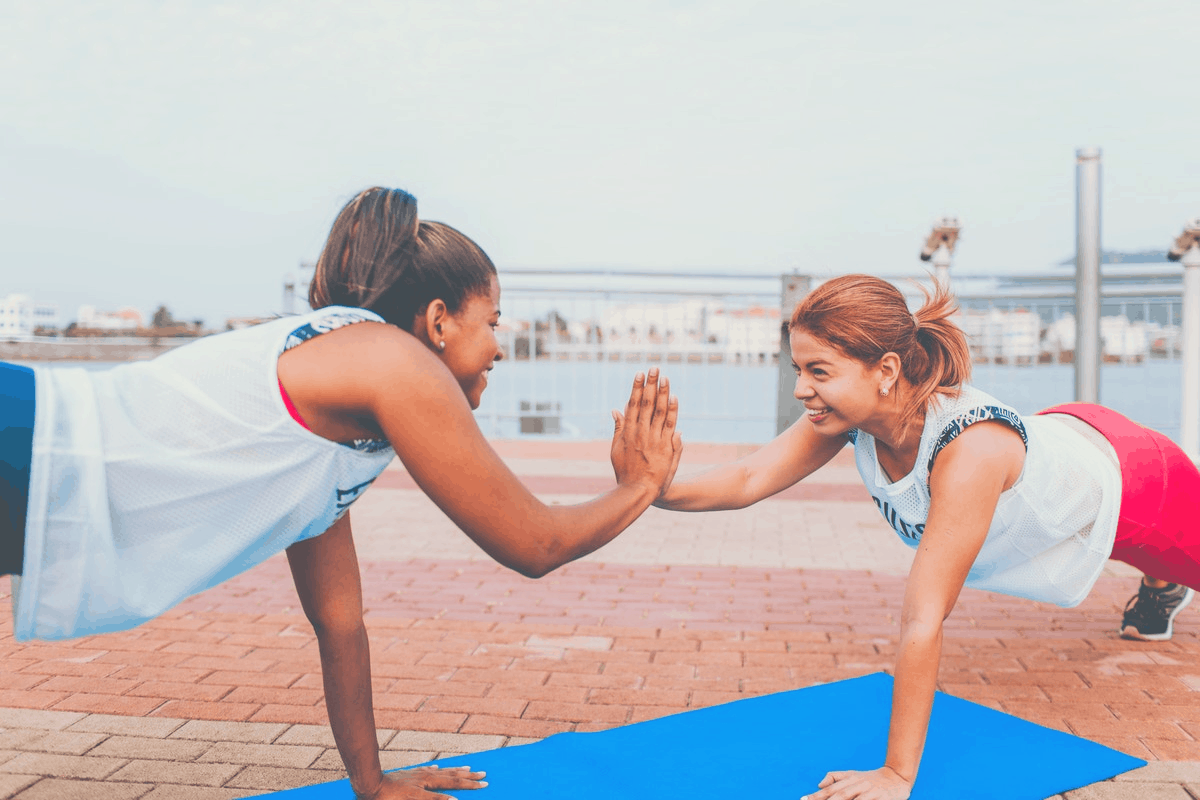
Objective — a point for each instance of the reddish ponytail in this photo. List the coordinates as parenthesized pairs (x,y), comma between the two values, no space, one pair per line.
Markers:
(865,317)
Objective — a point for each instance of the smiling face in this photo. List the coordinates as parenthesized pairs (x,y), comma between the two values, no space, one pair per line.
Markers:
(471,347)
(838,392)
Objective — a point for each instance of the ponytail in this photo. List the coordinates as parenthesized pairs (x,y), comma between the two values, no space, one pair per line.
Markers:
(381,257)
(866,317)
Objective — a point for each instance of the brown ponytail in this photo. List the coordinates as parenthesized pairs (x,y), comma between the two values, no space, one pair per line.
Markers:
(865,317)
(381,257)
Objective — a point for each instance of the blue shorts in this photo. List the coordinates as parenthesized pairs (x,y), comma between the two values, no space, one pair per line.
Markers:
(16,454)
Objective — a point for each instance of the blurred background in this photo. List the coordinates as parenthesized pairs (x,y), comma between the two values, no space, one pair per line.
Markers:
(641,173)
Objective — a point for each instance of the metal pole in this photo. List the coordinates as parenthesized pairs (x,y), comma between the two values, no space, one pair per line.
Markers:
(1087,275)
(1190,424)
(941,265)
(788,409)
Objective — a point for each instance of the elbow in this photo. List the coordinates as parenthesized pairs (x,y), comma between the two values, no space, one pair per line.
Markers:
(535,570)
(539,562)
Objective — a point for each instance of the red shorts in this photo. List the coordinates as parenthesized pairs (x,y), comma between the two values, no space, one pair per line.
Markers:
(1159,527)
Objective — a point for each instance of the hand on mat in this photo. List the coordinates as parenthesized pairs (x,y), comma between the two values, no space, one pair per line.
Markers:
(878,784)
(646,447)
(415,784)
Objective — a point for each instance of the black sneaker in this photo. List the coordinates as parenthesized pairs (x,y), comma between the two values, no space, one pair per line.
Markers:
(1150,614)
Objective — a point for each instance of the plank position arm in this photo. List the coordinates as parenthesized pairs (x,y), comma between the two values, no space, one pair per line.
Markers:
(390,383)
(965,487)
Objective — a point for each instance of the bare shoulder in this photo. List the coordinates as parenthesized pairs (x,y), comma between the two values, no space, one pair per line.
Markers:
(349,369)
(990,447)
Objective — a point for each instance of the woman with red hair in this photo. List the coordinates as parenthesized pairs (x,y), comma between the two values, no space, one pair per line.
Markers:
(1031,506)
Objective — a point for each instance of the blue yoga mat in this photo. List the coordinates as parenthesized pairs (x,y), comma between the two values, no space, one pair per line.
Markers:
(780,746)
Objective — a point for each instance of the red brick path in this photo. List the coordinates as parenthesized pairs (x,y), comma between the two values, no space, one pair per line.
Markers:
(473,648)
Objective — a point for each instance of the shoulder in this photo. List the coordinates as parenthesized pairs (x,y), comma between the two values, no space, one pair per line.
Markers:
(989,450)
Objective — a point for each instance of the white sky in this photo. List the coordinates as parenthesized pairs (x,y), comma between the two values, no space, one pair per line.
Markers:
(190,153)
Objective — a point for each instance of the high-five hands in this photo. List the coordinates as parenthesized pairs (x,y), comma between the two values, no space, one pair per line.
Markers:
(876,784)
(416,784)
(646,446)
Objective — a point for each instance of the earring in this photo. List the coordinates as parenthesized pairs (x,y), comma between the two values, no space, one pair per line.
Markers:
(883,392)
(442,345)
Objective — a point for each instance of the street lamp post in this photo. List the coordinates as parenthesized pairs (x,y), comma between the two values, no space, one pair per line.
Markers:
(1087,275)
(1186,250)
(939,247)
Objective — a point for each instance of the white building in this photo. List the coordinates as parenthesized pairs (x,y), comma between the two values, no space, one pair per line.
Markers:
(20,316)
(127,319)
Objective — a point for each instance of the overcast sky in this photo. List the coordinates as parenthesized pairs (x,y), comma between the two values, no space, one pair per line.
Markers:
(191,153)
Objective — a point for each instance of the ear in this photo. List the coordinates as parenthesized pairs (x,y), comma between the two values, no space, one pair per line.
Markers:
(431,324)
(889,371)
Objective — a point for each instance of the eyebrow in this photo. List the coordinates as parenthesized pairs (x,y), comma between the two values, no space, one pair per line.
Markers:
(813,363)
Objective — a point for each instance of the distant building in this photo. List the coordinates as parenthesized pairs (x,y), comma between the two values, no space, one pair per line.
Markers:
(127,319)
(237,323)
(20,317)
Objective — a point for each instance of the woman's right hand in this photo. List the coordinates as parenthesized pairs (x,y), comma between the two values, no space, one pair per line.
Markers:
(416,784)
(646,446)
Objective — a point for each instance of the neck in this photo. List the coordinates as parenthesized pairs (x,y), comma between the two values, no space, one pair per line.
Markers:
(899,440)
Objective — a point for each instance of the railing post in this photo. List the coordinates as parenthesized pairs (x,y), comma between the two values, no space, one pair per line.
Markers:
(1189,433)
(941,265)
(1087,275)
(788,408)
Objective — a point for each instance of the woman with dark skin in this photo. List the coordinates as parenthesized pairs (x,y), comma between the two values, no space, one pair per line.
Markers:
(394,357)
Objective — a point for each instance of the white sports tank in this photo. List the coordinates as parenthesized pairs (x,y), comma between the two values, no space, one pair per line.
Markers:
(156,480)
(1053,530)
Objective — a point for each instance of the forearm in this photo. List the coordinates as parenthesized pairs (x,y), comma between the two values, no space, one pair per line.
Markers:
(346,671)
(719,489)
(571,532)
(912,696)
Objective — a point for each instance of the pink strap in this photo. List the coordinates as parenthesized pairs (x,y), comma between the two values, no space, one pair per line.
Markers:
(287,402)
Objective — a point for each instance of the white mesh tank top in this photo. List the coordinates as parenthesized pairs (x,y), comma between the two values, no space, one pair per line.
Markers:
(156,480)
(1053,529)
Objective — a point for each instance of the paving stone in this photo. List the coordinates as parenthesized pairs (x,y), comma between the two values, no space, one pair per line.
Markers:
(12,784)
(252,732)
(444,742)
(37,719)
(66,742)
(388,759)
(178,792)
(267,755)
(149,727)
(1163,772)
(139,747)
(1129,791)
(57,789)
(513,741)
(59,766)
(322,736)
(275,779)
(16,738)
(177,772)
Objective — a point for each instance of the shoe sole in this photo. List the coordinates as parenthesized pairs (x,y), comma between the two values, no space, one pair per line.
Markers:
(1130,632)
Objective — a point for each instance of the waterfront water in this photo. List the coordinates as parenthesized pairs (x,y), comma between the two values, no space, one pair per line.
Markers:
(736,403)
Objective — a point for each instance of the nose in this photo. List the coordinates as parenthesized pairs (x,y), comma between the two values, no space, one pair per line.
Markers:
(803,390)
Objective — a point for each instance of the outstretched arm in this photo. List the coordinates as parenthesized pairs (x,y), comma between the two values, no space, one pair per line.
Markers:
(788,458)
(965,486)
(383,379)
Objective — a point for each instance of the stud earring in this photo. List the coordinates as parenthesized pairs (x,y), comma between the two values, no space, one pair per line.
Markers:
(883,392)
(442,345)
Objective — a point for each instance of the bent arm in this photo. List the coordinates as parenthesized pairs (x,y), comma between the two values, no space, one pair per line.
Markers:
(965,486)
(788,458)
(386,377)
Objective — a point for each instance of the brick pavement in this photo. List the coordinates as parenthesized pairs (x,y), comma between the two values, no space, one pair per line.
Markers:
(222,697)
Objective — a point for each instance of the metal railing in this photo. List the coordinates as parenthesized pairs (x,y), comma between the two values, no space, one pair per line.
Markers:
(573,342)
